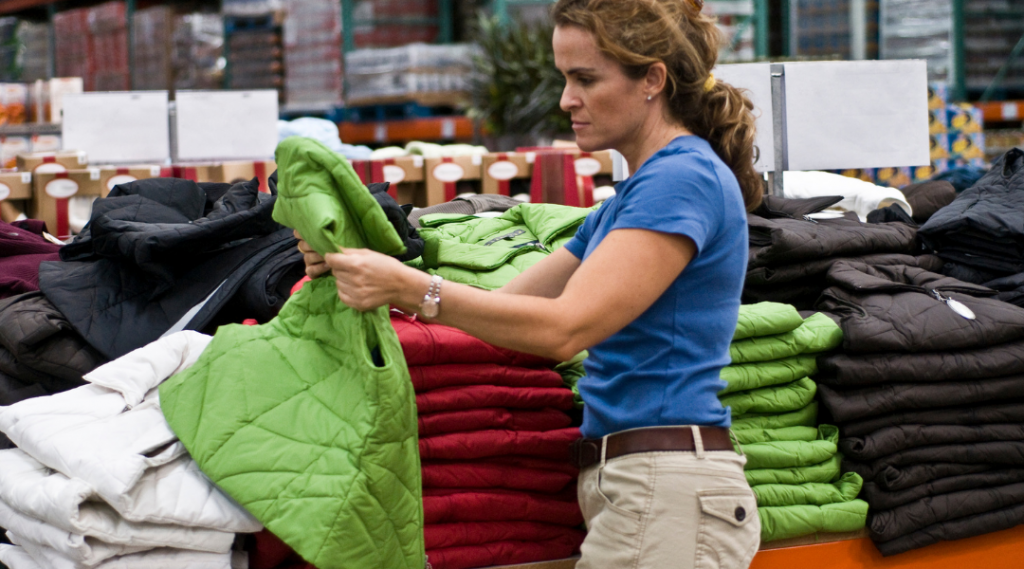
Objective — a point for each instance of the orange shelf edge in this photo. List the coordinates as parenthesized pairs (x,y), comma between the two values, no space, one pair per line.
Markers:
(1000,550)
(1000,111)
(428,129)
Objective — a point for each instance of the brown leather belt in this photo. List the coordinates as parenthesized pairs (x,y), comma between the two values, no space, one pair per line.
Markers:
(586,452)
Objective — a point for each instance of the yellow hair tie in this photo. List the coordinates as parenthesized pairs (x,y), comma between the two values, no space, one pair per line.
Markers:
(710,83)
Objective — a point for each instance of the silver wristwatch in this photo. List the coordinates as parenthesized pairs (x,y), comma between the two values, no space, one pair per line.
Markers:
(431,305)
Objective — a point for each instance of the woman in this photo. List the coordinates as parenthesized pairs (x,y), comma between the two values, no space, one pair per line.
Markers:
(650,285)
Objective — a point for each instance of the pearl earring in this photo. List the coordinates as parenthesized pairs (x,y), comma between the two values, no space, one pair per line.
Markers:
(648,97)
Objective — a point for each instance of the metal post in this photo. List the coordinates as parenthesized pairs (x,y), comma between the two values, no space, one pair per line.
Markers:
(789,35)
(130,17)
(51,64)
(761,31)
(445,16)
(858,30)
(348,26)
(958,74)
(779,129)
(172,117)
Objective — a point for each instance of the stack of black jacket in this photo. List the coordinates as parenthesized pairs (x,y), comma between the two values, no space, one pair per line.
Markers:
(981,234)
(928,394)
(791,253)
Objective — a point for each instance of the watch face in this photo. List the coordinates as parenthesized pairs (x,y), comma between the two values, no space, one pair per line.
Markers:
(429,309)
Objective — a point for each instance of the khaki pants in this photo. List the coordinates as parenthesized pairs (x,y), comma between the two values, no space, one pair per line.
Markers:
(662,510)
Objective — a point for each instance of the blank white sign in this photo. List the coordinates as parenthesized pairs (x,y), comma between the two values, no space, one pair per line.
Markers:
(756,80)
(857,114)
(118,128)
(226,125)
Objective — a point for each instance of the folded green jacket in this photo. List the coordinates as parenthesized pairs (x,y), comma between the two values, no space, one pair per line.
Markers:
(793,454)
(751,436)
(309,421)
(821,473)
(819,333)
(787,522)
(806,417)
(776,399)
(766,319)
(490,252)
(743,377)
(845,489)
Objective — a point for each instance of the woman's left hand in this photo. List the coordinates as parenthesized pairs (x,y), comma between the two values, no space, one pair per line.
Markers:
(367,279)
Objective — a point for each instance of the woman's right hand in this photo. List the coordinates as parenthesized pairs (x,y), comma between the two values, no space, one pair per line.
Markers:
(315,264)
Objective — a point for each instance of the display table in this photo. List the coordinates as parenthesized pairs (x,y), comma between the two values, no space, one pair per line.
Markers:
(1001,550)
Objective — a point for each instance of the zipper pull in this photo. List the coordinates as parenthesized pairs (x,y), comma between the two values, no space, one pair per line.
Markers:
(955,305)
(811,219)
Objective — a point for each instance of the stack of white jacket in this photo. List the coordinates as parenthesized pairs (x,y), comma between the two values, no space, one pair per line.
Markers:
(99,480)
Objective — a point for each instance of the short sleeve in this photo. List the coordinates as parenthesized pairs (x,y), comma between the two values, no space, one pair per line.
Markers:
(681,195)
(578,244)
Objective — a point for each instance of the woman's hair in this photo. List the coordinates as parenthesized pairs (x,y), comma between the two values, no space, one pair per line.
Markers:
(640,33)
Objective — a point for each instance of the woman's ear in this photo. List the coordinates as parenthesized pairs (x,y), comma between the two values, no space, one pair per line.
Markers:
(657,76)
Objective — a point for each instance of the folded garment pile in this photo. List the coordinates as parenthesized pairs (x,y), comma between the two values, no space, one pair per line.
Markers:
(22,249)
(99,480)
(929,397)
(791,252)
(792,462)
(981,234)
(498,488)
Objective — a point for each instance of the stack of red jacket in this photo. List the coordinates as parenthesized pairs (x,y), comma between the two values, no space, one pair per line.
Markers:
(498,488)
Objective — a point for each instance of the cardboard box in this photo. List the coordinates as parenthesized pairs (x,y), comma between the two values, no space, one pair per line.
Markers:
(231,172)
(405,176)
(45,143)
(200,172)
(111,176)
(49,162)
(447,177)
(53,96)
(15,186)
(569,177)
(52,192)
(501,168)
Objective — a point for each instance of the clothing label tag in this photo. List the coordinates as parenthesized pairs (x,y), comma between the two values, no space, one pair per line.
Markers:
(394,174)
(503,170)
(587,166)
(61,188)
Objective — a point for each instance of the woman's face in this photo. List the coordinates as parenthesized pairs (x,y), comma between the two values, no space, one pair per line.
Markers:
(607,107)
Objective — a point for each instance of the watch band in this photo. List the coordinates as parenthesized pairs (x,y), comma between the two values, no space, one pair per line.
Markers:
(431,305)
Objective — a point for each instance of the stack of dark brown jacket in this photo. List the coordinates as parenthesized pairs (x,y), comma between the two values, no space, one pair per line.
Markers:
(929,398)
(791,253)
(981,234)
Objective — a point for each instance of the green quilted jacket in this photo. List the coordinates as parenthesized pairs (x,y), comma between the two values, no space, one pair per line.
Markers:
(490,252)
(309,421)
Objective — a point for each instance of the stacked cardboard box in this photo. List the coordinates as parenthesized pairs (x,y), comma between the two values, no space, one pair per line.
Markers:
(372,34)
(312,53)
(73,45)
(108,27)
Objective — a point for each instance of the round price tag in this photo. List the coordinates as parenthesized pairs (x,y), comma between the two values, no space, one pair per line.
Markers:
(503,170)
(61,188)
(448,172)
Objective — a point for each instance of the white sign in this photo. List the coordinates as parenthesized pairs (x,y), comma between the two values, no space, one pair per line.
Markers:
(118,128)
(756,80)
(393,174)
(61,188)
(226,125)
(448,172)
(856,114)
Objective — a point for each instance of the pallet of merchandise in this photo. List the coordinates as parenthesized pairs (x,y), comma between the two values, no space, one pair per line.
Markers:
(999,550)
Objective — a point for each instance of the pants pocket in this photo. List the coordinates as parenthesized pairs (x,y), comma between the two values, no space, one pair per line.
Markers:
(729,532)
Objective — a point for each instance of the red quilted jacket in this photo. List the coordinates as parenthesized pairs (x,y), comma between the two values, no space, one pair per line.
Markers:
(433,344)
(492,418)
(493,475)
(482,444)
(460,505)
(425,378)
(480,396)
(506,552)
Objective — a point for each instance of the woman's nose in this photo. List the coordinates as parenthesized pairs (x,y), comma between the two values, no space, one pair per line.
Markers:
(568,101)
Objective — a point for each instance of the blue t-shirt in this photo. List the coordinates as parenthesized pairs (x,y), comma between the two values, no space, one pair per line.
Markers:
(664,367)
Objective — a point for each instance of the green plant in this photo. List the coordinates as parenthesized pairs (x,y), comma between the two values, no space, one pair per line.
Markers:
(516,87)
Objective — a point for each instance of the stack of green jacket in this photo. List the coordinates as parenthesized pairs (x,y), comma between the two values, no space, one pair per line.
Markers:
(792,462)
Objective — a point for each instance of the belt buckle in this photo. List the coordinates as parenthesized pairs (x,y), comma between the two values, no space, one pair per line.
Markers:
(584,452)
